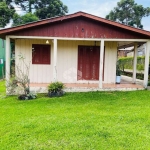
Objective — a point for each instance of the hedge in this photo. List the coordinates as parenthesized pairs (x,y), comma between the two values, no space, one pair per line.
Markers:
(127,63)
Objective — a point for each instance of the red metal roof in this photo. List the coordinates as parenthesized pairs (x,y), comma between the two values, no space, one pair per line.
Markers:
(8,31)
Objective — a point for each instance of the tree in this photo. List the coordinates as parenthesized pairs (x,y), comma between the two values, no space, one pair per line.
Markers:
(51,8)
(43,8)
(6,13)
(27,5)
(8,2)
(19,20)
(129,13)
(19,83)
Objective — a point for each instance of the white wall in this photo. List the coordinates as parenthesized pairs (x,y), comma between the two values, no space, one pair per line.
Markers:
(66,61)
(38,73)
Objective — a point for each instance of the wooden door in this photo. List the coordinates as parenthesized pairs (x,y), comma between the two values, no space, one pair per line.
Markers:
(88,62)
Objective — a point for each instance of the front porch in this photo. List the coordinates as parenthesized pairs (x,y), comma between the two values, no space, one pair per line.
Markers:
(64,64)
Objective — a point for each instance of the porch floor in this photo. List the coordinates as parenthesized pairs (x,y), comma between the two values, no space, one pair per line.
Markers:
(125,85)
(91,85)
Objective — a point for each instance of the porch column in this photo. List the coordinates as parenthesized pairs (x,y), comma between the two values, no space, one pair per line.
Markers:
(101,64)
(55,61)
(134,63)
(7,66)
(146,64)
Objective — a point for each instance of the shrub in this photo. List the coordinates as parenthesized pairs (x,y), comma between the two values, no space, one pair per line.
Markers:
(118,71)
(55,86)
(27,96)
(55,89)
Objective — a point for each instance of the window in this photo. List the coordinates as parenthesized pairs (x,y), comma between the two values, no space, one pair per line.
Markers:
(40,54)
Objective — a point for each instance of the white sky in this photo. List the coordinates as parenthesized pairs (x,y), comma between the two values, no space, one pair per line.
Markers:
(102,7)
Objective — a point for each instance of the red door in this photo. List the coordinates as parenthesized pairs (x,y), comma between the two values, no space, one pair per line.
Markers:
(88,62)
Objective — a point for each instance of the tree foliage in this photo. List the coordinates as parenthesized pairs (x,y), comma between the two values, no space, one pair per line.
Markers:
(51,8)
(129,13)
(6,13)
(27,5)
(19,20)
(43,8)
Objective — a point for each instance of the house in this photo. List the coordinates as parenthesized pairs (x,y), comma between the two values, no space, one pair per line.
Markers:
(129,51)
(124,52)
(2,58)
(141,51)
(78,49)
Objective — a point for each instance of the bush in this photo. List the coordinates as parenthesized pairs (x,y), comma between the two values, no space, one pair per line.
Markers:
(27,96)
(127,63)
(55,89)
(55,86)
(118,71)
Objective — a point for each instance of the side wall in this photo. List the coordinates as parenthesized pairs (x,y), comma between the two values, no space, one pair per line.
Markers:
(67,57)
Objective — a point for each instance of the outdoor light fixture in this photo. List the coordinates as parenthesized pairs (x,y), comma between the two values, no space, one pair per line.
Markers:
(47,41)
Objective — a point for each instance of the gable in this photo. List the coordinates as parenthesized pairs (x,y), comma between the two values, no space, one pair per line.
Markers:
(77,25)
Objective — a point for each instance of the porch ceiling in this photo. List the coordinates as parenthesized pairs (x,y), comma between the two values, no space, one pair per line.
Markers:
(126,44)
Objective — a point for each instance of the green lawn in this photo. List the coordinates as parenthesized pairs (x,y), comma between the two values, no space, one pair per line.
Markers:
(76,121)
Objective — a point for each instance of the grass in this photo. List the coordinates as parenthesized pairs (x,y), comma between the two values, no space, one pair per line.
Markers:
(76,121)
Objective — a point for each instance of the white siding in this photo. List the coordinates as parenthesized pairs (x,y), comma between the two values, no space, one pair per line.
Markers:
(66,61)
(38,73)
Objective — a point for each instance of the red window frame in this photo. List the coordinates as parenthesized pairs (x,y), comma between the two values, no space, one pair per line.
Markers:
(41,54)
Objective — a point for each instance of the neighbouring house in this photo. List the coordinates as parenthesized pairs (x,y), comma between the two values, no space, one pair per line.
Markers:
(78,49)
(124,52)
(129,51)
(2,58)
(141,51)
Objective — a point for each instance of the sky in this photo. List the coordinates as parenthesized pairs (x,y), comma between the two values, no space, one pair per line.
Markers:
(99,8)
(102,7)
